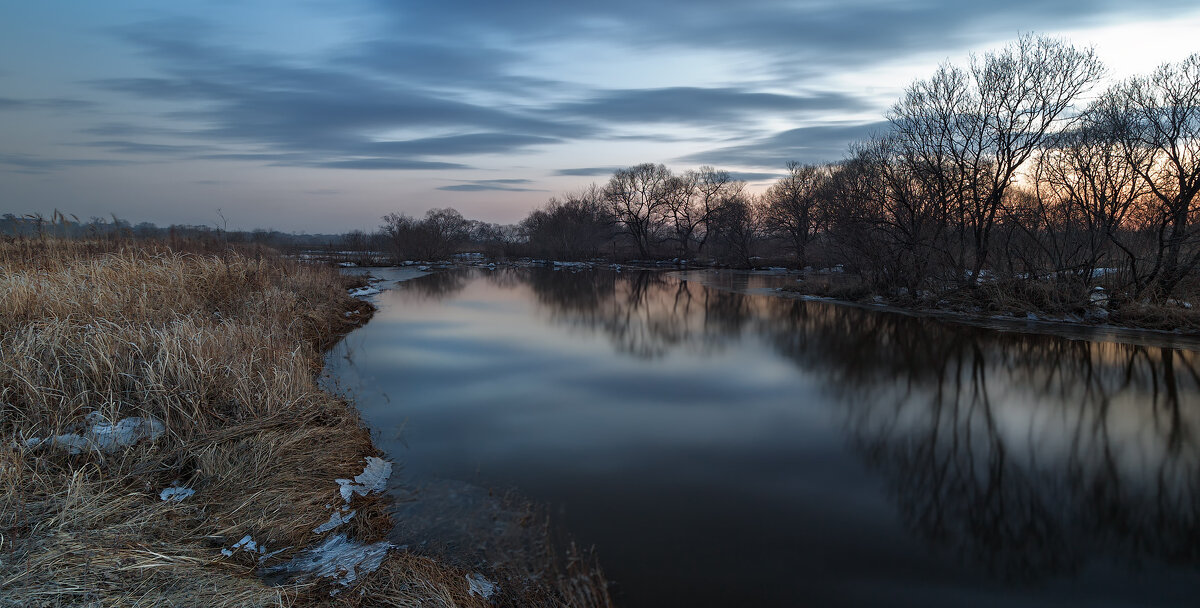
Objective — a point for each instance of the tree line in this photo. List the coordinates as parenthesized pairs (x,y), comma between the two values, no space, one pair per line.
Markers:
(1011,168)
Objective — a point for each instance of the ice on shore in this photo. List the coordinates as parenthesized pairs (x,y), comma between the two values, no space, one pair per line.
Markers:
(363,292)
(338,558)
(246,544)
(477,585)
(175,494)
(373,479)
(104,436)
(336,519)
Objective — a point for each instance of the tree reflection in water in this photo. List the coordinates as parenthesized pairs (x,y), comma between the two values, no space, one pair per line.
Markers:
(1030,454)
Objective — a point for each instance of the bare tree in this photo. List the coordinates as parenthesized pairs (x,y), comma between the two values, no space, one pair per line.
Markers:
(435,237)
(693,199)
(638,198)
(977,127)
(1086,195)
(734,227)
(792,206)
(1157,121)
(575,227)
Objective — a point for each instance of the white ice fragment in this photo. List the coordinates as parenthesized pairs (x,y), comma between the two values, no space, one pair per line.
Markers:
(477,585)
(422,268)
(373,479)
(175,494)
(338,558)
(347,264)
(336,519)
(104,436)
(246,544)
(1031,317)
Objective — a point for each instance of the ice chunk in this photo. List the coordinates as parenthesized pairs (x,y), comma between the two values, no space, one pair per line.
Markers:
(336,519)
(477,585)
(373,479)
(363,292)
(247,544)
(103,436)
(338,558)
(175,494)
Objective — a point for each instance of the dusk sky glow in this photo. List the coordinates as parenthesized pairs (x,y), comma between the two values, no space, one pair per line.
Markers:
(322,116)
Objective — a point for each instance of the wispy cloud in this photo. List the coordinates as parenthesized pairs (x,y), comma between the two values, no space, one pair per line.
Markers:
(586,171)
(806,144)
(483,185)
(27,163)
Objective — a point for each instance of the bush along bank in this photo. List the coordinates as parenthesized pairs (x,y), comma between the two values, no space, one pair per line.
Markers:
(164,441)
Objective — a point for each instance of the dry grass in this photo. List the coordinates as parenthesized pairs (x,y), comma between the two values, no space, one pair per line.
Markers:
(223,348)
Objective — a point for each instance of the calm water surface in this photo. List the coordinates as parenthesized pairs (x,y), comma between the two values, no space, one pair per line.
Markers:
(723,448)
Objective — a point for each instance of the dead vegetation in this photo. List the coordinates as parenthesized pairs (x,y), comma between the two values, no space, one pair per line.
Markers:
(223,349)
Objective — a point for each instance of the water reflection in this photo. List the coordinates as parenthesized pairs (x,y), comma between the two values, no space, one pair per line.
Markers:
(1030,455)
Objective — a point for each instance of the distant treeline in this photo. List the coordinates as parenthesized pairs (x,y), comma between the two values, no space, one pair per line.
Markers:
(993,172)
(60,225)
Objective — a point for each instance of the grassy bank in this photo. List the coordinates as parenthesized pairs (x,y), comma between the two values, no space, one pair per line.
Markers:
(129,370)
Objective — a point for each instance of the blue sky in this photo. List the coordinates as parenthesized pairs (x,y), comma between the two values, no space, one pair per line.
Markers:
(321,116)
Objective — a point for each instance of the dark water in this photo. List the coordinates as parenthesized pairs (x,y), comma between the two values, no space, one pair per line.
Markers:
(725,449)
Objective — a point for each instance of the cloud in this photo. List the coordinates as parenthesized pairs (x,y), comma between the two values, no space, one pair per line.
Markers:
(316,115)
(700,106)
(380,164)
(482,185)
(440,65)
(510,180)
(587,171)
(56,104)
(26,163)
(788,38)
(138,147)
(816,144)
(751,176)
(398,103)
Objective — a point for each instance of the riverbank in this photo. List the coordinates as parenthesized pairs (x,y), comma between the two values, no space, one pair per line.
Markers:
(164,441)
(1028,304)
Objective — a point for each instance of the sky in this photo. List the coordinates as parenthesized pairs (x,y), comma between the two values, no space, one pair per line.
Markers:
(323,115)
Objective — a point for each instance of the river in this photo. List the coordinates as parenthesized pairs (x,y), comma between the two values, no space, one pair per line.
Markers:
(722,446)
